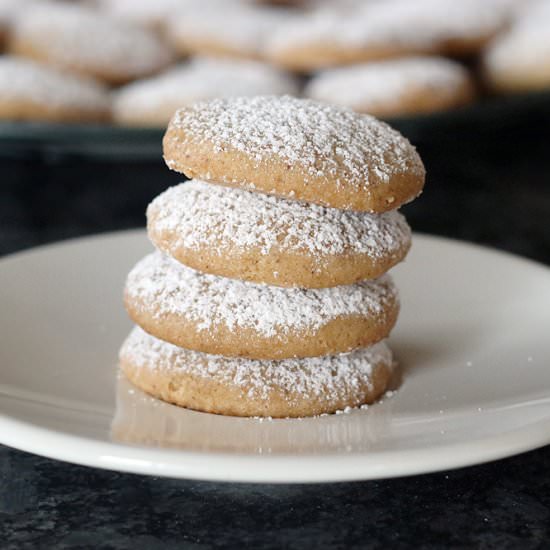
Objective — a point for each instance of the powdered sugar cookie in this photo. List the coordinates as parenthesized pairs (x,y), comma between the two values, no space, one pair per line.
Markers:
(148,13)
(328,38)
(519,60)
(30,91)
(235,318)
(395,87)
(381,30)
(298,149)
(90,43)
(247,387)
(240,31)
(446,26)
(265,239)
(152,102)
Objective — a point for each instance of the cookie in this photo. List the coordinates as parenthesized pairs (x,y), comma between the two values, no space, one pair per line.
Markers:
(247,387)
(152,102)
(214,30)
(381,30)
(30,91)
(328,38)
(295,148)
(265,239)
(235,318)
(153,14)
(406,86)
(89,43)
(519,60)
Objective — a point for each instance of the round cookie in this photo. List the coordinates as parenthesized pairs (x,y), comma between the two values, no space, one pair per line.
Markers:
(265,239)
(90,43)
(153,14)
(241,319)
(395,87)
(519,60)
(240,31)
(152,102)
(247,387)
(446,26)
(30,91)
(295,148)
(381,30)
(329,38)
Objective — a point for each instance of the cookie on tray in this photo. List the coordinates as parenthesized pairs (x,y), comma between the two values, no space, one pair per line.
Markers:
(266,239)
(153,14)
(396,87)
(90,43)
(381,30)
(295,148)
(152,102)
(217,29)
(519,59)
(31,91)
(235,318)
(247,387)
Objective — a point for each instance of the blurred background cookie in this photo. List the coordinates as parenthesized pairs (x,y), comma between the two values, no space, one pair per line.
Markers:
(31,91)
(207,28)
(153,14)
(380,30)
(395,87)
(519,59)
(145,44)
(81,40)
(152,102)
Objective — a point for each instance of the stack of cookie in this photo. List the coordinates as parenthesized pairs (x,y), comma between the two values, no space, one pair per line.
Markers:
(267,295)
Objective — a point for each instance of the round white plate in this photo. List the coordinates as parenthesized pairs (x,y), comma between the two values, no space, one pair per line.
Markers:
(473,341)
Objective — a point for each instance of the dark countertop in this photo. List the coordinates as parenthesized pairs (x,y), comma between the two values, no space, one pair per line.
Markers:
(489,182)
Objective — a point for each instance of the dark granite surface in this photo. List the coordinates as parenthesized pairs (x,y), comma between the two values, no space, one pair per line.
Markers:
(489,182)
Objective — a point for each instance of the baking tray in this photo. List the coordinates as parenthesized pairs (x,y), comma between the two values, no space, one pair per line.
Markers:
(108,142)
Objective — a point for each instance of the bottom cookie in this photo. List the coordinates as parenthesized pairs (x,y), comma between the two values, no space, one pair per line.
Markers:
(247,387)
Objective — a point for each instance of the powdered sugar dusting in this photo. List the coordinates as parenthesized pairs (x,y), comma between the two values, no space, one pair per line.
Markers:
(324,140)
(164,286)
(324,378)
(203,215)
(381,82)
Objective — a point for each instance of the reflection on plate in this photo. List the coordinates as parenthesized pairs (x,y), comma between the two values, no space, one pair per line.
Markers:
(143,420)
(472,342)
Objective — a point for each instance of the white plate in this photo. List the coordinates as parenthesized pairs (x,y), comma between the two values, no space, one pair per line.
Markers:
(473,340)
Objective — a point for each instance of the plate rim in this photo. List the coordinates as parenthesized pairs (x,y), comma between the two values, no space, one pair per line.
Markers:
(283,468)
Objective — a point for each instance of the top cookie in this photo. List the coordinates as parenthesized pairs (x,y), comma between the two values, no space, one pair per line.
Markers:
(298,149)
